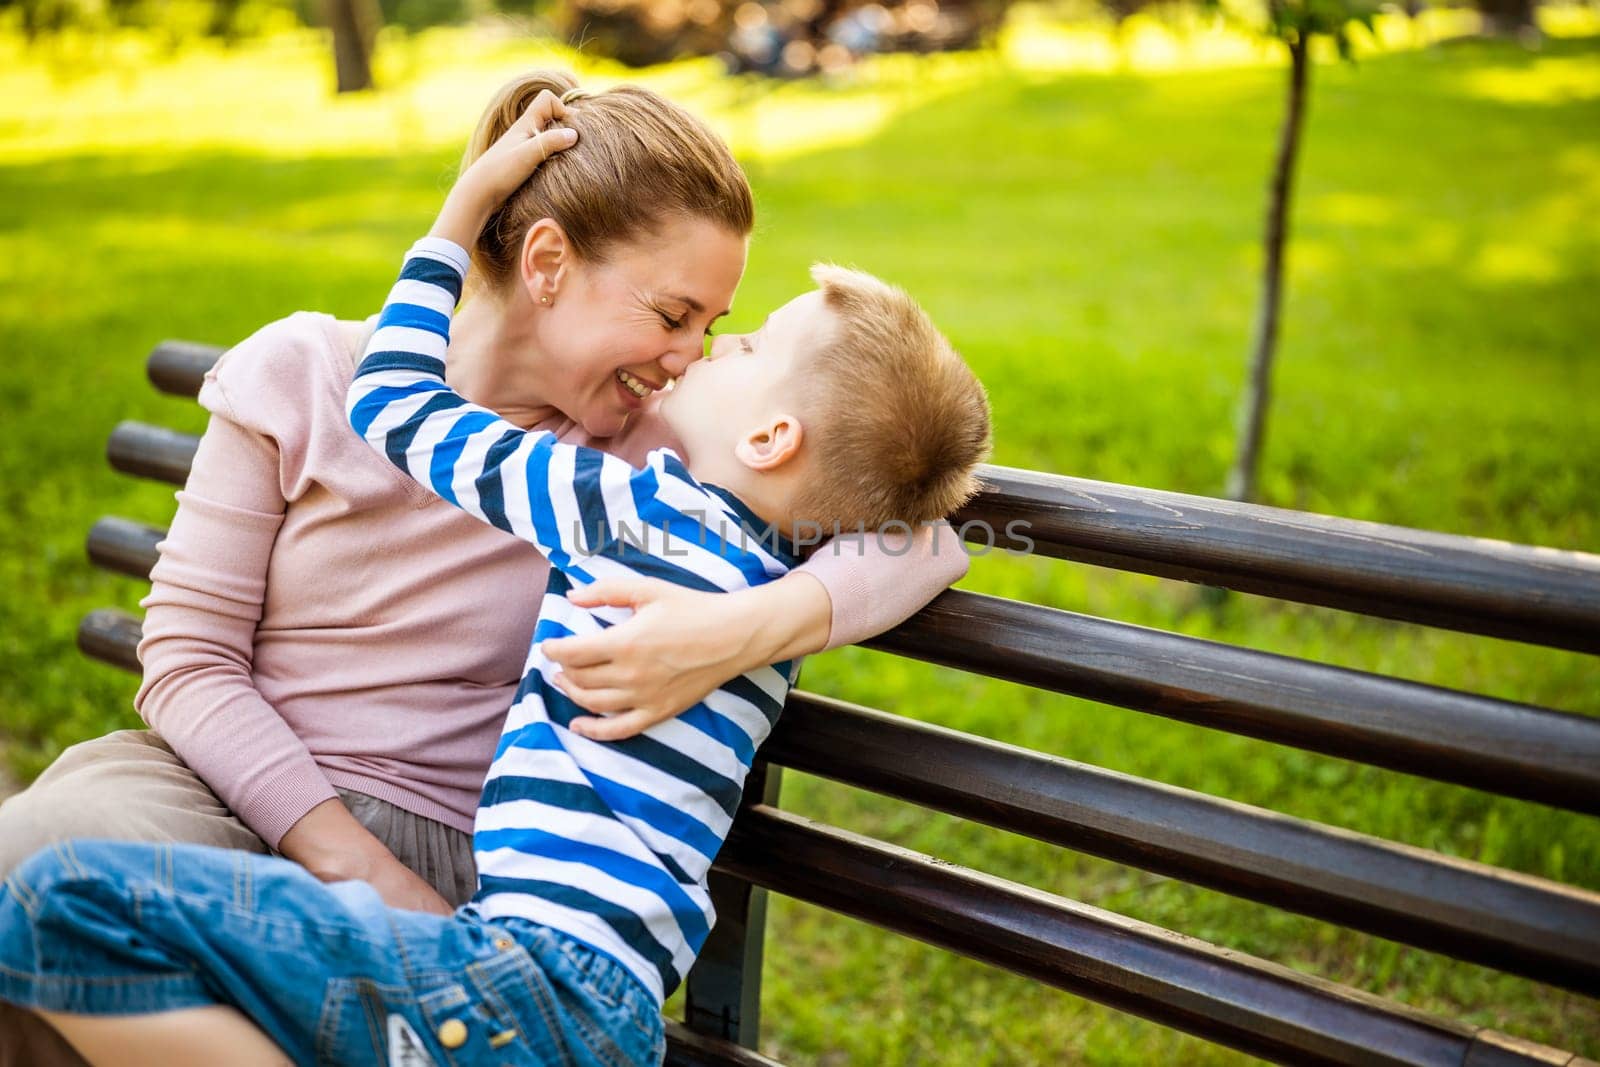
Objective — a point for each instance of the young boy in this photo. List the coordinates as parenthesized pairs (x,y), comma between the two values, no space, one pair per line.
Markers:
(592,855)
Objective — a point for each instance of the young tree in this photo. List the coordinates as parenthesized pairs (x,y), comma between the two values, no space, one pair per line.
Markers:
(1295,23)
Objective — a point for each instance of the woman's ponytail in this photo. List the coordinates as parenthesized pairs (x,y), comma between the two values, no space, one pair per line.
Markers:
(639,159)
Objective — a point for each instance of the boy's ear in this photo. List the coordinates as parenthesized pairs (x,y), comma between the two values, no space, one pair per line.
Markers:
(545,261)
(771,444)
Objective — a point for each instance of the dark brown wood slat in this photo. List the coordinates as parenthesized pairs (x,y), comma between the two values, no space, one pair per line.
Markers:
(1526,593)
(1494,1049)
(156,452)
(110,636)
(685,1048)
(1540,929)
(124,546)
(1504,747)
(1224,996)
(177,367)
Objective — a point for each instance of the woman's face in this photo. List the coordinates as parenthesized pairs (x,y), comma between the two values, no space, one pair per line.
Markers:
(617,331)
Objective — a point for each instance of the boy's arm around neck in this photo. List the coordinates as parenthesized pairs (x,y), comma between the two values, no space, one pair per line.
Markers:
(525,482)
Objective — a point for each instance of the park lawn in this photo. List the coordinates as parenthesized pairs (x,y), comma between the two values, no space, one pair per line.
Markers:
(1089,242)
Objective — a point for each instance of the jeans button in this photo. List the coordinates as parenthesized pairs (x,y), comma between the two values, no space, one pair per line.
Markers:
(504,944)
(452,1033)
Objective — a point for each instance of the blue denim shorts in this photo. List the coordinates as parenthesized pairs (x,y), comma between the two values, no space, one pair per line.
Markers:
(326,970)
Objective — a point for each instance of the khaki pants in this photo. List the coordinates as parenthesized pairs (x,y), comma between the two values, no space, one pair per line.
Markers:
(130,786)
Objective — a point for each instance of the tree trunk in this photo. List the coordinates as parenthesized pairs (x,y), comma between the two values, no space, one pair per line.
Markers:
(1253,409)
(1508,18)
(355,29)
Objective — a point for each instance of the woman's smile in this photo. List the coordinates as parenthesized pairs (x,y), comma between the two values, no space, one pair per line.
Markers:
(633,389)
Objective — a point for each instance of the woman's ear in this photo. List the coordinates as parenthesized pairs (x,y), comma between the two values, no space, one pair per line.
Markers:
(545,261)
(770,445)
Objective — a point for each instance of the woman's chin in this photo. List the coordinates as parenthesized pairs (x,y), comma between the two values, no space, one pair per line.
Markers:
(604,423)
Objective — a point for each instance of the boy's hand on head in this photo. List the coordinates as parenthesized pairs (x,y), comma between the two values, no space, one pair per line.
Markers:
(503,167)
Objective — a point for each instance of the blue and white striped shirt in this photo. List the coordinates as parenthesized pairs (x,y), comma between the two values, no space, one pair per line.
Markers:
(609,842)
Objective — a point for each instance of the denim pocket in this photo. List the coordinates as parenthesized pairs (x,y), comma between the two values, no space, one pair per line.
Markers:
(467,1030)
(353,1023)
(615,1018)
(506,1010)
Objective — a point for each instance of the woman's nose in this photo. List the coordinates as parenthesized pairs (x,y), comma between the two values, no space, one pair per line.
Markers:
(676,360)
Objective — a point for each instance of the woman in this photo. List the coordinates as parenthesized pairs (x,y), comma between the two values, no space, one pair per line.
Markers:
(329,651)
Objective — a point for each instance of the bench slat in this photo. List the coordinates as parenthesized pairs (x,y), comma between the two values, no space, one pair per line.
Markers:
(124,546)
(147,451)
(1501,746)
(176,367)
(1537,928)
(685,1048)
(1237,1000)
(110,636)
(1527,593)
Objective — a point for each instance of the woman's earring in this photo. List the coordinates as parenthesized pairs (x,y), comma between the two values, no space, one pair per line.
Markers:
(544,300)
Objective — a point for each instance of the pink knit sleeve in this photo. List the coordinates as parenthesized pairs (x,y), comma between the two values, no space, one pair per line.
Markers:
(878,581)
(206,599)
(875,582)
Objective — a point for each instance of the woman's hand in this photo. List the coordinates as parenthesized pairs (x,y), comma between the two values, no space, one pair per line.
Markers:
(400,886)
(679,645)
(332,844)
(504,166)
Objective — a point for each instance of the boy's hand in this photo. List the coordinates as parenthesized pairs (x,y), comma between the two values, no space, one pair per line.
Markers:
(502,168)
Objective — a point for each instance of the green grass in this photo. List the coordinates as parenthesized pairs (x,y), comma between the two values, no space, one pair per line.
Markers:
(1089,240)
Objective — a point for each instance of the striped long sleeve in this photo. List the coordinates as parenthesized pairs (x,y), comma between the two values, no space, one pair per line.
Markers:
(610,842)
(527,483)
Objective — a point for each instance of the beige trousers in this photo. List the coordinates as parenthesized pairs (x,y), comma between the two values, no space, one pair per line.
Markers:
(130,786)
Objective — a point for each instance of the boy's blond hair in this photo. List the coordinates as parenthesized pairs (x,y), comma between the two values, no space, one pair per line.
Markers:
(897,420)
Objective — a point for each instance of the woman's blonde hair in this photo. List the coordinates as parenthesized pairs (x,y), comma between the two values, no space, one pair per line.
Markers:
(639,161)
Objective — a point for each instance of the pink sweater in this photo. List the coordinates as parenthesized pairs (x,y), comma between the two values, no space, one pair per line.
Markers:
(317,619)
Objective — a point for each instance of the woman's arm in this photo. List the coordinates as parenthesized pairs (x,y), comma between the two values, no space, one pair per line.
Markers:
(877,581)
(205,602)
(661,662)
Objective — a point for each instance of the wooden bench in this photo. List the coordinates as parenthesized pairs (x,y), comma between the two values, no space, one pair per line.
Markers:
(1518,924)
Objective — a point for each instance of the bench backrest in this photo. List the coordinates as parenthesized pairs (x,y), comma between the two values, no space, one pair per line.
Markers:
(1513,922)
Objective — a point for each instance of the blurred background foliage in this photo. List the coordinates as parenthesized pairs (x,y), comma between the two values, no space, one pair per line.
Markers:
(779,37)
(1079,205)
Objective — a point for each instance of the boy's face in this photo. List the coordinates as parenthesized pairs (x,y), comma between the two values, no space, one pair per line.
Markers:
(746,377)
